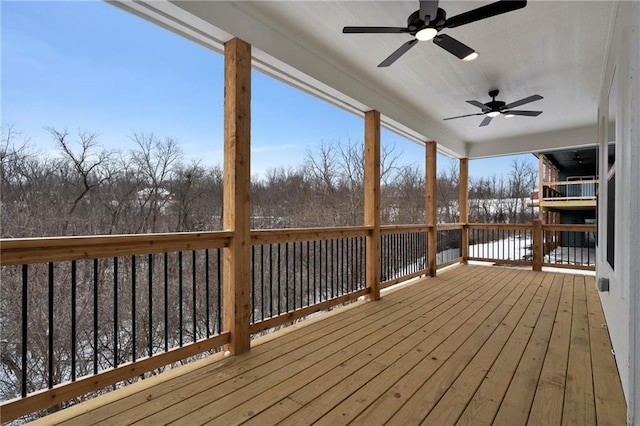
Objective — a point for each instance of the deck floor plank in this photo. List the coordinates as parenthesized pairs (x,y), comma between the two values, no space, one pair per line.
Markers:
(415,364)
(397,396)
(455,399)
(311,383)
(610,408)
(549,398)
(579,403)
(476,345)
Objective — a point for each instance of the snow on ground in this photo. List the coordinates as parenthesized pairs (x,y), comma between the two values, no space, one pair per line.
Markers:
(512,248)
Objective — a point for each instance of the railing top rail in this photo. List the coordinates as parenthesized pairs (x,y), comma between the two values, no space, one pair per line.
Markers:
(16,251)
(500,226)
(393,229)
(569,227)
(273,236)
(449,226)
(570,182)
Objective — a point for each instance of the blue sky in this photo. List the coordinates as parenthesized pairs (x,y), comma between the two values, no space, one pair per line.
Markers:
(89,66)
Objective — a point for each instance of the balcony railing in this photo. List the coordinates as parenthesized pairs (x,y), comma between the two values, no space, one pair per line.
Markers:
(569,190)
(90,312)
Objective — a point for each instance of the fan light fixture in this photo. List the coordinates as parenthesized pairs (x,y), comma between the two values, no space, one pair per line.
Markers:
(509,115)
(493,114)
(426,34)
(471,56)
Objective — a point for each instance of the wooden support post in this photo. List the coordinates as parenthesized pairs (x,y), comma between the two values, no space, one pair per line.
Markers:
(537,245)
(540,184)
(463,205)
(237,190)
(430,206)
(372,199)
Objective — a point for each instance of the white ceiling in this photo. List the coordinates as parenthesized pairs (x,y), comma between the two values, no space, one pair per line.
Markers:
(552,48)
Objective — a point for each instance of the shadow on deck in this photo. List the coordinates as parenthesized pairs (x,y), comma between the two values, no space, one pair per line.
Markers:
(476,345)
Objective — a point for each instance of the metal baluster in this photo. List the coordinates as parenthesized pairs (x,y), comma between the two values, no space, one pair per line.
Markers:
(207,295)
(74,325)
(194,300)
(115,312)
(150,301)
(95,316)
(25,336)
(133,307)
(166,302)
(180,312)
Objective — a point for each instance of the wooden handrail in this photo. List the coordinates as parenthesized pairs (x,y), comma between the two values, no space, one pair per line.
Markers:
(522,226)
(19,251)
(397,229)
(570,182)
(274,236)
(569,228)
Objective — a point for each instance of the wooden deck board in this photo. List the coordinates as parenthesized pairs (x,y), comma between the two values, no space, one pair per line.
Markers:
(475,345)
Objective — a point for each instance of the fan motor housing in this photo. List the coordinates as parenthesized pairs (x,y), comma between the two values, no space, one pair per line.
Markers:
(495,105)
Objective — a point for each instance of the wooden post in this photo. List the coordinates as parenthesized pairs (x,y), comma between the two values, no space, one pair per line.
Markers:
(372,200)
(237,190)
(537,245)
(463,205)
(540,184)
(430,206)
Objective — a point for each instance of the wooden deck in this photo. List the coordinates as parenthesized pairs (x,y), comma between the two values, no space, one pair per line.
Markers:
(476,345)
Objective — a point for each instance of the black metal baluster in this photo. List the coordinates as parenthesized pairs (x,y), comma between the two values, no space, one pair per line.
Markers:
(279,281)
(115,312)
(315,271)
(194,300)
(326,269)
(271,280)
(133,306)
(286,275)
(150,299)
(25,336)
(180,312)
(262,282)
(166,302)
(253,284)
(308,277)
(207,293)
(219,301)
(294,275)
(301,275)
(95,316)
(74,325)
(50,340)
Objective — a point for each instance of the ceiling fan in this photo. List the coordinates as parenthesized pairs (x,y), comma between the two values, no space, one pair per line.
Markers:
(494,108)
(427,22)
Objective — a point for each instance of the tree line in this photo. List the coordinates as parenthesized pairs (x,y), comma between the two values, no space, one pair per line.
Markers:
(83,188)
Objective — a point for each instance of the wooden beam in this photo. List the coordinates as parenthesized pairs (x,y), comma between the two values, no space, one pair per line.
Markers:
(430,205)
(372,200)
(463,205)
(237,190)
(540,184)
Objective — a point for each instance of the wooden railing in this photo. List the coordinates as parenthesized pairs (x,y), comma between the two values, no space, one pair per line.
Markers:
(89,312)
(114,308)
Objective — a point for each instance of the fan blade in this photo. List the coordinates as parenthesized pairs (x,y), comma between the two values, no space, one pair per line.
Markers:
(484,12)
(486,121)
(374,30)
(479,105)
(399,52)
(453,46)
(428,8)
(520,112)
(522,101)
(461,116)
